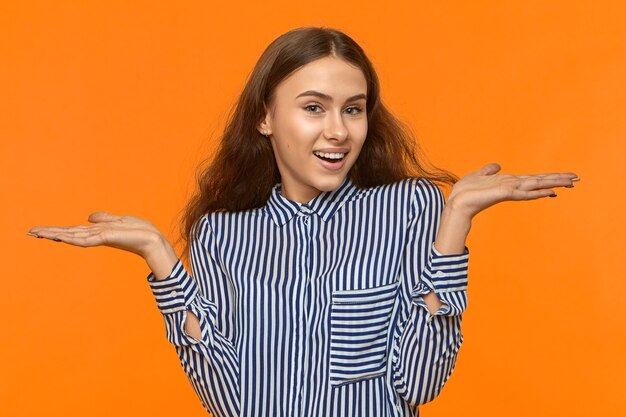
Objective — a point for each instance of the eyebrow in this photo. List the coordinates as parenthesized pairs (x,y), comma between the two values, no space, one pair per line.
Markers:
(329,98)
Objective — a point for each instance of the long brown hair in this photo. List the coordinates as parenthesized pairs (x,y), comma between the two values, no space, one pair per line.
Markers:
(243,171)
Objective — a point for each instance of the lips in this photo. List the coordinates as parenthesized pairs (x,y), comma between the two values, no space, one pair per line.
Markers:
(332,161)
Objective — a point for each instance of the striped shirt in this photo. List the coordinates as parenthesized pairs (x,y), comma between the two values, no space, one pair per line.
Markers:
(316,309)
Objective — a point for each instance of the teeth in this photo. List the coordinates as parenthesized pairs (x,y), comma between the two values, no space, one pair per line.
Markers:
(330,155)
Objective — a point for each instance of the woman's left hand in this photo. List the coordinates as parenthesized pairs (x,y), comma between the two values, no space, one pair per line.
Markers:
(484,188)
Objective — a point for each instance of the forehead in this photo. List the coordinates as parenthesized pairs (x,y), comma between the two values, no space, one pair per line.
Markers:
(329,75)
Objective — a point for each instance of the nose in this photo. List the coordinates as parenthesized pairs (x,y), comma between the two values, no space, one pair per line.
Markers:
(335,128)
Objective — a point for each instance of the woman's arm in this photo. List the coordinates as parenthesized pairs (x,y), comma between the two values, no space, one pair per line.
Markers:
(194,323)
(161,261)
(198,311)
(480,190)
(428,335)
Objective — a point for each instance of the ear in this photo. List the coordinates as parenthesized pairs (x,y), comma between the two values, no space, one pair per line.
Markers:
(265,126)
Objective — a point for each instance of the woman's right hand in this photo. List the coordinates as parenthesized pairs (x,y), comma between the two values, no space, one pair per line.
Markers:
(127,233)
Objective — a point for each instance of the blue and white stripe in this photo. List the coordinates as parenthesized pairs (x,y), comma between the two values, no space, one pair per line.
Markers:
(316,309)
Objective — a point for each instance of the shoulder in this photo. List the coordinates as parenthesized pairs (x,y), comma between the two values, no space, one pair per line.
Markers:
(217,220)
(414,189)
(201,230)
(214,226)
(426,190)
(420,194)
(405,198)
(427,198)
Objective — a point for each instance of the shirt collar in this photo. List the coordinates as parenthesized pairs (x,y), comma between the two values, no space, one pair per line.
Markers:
(325,204)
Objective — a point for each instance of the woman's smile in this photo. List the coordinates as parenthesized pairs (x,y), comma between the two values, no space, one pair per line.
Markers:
(331,159)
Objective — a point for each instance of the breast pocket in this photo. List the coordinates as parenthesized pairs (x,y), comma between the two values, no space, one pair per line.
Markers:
(359,322)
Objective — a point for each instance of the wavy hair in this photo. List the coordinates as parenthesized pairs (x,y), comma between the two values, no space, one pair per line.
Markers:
(243,171)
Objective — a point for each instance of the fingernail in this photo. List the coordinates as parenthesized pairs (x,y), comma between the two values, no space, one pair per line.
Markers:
(32,234)
(552,195)
(575,179)
(569,186)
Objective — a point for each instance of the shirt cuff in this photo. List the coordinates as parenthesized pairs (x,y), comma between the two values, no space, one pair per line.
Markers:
(447,277)
(175,292)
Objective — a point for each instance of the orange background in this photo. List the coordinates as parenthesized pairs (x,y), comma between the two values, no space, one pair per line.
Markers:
(110,105)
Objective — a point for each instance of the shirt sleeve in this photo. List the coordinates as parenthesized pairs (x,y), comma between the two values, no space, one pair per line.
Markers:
(425,346)
(211,362)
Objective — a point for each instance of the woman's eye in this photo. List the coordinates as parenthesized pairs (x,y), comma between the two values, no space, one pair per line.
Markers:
(354,110)
(313,108)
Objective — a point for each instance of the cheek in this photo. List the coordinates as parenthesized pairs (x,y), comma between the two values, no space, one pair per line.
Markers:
(299,125)
(303,130)
(359,133)
(296,132)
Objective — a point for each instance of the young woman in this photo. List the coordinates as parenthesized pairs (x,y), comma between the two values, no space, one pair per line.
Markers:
(328,278)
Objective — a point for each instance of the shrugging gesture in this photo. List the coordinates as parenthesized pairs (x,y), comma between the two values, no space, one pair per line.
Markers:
(315,287)
(482,189)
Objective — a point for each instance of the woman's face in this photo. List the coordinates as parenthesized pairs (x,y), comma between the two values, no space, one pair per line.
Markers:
(317,123)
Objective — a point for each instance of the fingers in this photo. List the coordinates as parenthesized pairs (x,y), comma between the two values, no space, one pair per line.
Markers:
(554,175)
(51,232)
(84,239)
(542,185)
(57,229)
(75,235)
(533,194)
(536,182)
(96,217)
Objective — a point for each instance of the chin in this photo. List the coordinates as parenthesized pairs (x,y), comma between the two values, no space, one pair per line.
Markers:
(330,185)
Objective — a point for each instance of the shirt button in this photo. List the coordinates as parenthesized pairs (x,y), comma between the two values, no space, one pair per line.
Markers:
(173,294)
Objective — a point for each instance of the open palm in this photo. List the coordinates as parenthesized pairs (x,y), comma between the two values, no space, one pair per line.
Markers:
(483,188)
(127,233)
